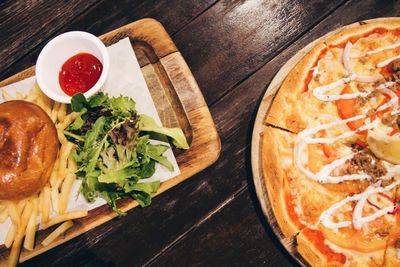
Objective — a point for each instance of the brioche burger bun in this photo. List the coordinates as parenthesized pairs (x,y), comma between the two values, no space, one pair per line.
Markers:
(28,149)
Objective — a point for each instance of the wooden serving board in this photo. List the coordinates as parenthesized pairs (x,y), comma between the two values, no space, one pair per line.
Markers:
(179,103)
(259,126)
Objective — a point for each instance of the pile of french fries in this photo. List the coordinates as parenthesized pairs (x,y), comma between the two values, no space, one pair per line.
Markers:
(49,206)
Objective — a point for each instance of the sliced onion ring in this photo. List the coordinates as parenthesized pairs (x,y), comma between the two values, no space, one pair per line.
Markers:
(353,75)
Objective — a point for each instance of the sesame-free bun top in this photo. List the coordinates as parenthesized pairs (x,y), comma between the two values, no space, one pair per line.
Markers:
(28,149)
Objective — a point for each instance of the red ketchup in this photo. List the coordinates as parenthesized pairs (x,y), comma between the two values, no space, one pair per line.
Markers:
(79,73)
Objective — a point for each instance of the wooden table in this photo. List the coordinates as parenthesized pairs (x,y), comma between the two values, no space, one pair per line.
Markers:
(234,48)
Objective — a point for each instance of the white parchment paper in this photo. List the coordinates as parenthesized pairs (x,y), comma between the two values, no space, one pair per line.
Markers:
(125,78)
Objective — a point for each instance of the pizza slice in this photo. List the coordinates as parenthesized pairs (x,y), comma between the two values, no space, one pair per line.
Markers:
(307,208)
(346,66)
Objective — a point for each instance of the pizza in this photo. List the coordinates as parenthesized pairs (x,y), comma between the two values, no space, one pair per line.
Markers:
(331,148)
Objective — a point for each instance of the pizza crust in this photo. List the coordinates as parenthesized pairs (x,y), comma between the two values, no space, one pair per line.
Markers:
(285,109)
(357,29)
(274,177)
(311,253)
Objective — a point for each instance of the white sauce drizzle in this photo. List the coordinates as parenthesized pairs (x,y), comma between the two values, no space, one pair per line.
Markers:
(358,219)
(319,92)
(387,61)
(306,134)
(324,173)
(383,48)
(394,100)
(316,71)
(391,171)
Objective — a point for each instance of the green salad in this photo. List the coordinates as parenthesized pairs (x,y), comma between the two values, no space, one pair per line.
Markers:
(114,151)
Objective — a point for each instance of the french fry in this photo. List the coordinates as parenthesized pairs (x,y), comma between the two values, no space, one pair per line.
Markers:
(62,112)
(33,93)
(10,236)
(3,215)
(7,96)
(19,96)
(39,101)
(3,205)
(66,192)
(13,213)
(54,198)
(54,111)
(61,137)
(46,203)
(31,227)
(21,205)
(56,233)
(40,201)
(48,103)
(63,124)
(65,217)
(72,163)
(67,120)
(62,167)
(54,172)
(16,246)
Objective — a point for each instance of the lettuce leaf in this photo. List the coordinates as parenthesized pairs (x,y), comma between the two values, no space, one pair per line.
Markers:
(113,150)
(148,188)
(148,124)
(78,102)
(122,106)
(142,198)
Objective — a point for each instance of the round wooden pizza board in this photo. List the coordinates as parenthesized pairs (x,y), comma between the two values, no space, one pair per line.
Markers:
(259,126)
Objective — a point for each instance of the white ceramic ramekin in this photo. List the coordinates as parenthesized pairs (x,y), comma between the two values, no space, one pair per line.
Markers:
(59,50)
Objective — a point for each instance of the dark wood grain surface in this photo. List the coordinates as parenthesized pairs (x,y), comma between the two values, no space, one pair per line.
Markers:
(234,48)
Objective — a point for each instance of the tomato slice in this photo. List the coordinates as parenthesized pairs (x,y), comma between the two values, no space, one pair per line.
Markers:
(394,131)
(328,149)
(361,143)
(317,157)
(291,210)
(317,238)
(380,113)
(360,241)
(386,196)
(348,108)
(386,71)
